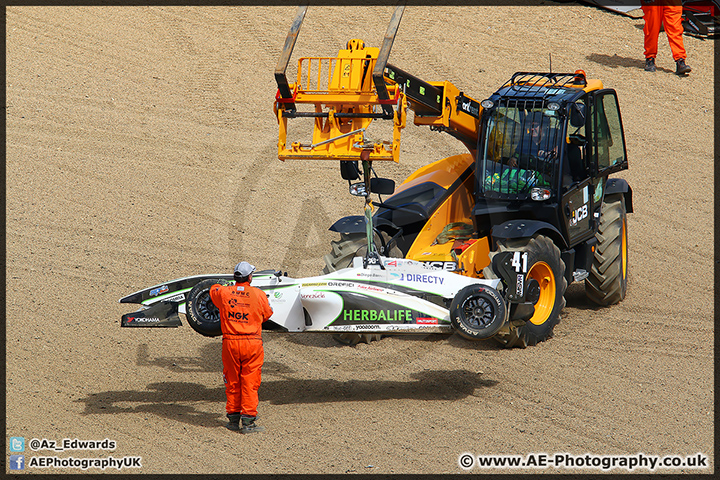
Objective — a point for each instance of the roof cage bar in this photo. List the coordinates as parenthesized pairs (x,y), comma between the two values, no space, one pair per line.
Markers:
(532,79)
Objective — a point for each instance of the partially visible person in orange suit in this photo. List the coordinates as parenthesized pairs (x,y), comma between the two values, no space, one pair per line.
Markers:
(669,14)
(243,309)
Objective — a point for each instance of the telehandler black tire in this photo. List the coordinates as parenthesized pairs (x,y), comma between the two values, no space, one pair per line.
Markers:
(353,245)
(201,313)
(607,281)
(343,251)
(546,266)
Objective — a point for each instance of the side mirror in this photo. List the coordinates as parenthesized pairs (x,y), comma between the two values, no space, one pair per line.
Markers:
(577,115)
(349,170)
(383,186)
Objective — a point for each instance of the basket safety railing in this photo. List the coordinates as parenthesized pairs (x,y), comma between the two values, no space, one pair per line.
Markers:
(344,96)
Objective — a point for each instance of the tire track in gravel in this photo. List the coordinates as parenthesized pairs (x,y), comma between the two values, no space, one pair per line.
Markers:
(213,92)
(77,43)
(302,216)
(208,68)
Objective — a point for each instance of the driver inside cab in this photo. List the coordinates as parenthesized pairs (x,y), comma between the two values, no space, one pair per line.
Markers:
(535,143)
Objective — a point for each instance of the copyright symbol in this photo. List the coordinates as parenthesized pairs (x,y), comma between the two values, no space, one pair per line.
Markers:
(466,460)
(34,444)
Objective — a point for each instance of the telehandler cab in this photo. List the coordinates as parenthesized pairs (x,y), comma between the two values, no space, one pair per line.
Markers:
(535,181)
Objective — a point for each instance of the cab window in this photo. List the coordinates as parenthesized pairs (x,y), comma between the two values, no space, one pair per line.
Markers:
(610,150)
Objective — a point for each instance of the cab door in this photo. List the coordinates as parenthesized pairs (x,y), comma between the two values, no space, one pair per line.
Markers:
(606,146)
(577,203)
(604,153)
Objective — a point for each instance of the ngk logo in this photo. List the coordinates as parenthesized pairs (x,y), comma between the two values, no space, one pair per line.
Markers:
(238,317)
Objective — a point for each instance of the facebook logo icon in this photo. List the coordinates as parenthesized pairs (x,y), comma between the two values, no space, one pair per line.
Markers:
(17,462)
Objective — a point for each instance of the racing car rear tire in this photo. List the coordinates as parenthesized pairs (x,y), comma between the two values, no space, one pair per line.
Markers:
(201,313)
(477,312)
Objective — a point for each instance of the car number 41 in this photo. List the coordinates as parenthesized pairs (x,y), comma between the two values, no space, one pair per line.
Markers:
(519,262)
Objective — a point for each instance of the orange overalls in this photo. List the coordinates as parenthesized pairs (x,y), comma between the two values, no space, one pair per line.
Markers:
(668,13)
(243,309)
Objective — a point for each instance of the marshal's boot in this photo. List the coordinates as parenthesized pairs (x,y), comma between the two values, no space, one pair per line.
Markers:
(249,426)
(233,422)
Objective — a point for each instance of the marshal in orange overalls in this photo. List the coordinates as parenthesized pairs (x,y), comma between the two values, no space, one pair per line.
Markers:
(243,309)
(669,14)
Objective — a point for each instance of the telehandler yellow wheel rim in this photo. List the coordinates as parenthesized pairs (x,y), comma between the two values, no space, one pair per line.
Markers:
(542,272)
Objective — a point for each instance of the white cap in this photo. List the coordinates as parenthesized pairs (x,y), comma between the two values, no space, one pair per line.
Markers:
(244,269)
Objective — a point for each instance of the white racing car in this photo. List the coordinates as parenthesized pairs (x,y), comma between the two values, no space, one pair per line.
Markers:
(393,296)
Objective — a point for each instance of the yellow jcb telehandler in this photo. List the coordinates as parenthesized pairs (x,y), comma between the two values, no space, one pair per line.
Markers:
(532,200)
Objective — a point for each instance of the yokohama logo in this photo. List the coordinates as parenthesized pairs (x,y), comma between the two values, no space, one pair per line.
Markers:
(143,319)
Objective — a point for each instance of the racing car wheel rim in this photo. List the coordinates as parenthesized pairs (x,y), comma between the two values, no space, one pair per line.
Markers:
(542,272)
(207,308)
(478,312)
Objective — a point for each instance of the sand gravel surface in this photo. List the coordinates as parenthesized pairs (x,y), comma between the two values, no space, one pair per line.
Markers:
(142,147)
